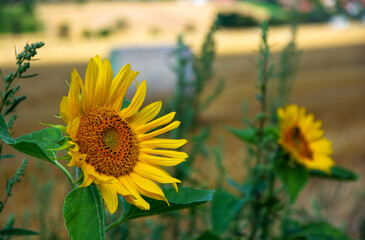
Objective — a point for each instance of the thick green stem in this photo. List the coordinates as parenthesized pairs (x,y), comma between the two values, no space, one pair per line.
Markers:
(67,174)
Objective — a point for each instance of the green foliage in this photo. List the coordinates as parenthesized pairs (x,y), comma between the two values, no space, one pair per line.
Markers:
(207,236)
(17,232)
(36,144)
(83,211)
(186,198)
(225,207)
(250,135)
(8,104)
(16,178)
(8,100)
(106,31)
(293,176)
(19,18)
(263,203)
(293,230)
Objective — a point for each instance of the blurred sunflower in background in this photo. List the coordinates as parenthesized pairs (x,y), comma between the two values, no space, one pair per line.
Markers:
(116,148)
(302,137)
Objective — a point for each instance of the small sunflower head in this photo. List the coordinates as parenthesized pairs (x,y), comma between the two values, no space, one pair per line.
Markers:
(117,148)
(302,137)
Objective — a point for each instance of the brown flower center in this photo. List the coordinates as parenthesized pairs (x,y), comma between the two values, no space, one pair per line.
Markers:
(295,138)
(110,145)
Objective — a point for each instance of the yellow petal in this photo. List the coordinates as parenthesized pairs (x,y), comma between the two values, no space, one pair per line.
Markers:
(154,173)
(110,196)
(74,96)
(87,97)
(104,82)
(162,143)
(162,161)
(139,202)
(147,187)
(146,114)
(87,179)
(73,127)
(126,184)
(142,137)
(116,84)
(121,91)
(122,190)
(155,123)
(135,198)
(65,110)
(167,153)
(136,102)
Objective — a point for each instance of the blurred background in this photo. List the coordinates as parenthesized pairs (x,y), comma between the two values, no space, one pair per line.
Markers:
(330,82)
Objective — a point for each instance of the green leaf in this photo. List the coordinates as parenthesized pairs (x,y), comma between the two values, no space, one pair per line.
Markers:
(319,231)
(207,236)
(225,207)
(337,173)
(83,212)
(186,198)
(35,144)
(293,177)
(7,156)
(244,189)
(29,76)
(248,135)
(17,232)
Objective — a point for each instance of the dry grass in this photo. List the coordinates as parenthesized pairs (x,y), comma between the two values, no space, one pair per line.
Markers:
(330,84)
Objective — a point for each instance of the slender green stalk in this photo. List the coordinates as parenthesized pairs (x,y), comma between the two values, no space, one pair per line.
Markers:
(256,219)
(115,224)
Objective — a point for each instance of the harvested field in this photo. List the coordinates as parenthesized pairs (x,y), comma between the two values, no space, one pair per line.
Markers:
(330,83)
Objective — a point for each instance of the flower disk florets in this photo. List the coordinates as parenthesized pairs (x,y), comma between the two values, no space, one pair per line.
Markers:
(107,140)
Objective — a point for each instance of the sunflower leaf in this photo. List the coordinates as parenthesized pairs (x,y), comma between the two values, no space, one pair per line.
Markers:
(248,135)
(337,173)
(225,207)
(294,178)
(35,144)
(84,215)
(186,198)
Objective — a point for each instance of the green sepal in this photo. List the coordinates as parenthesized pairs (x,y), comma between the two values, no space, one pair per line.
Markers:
(64,157)
(65,146)
(125,103)
(62,128)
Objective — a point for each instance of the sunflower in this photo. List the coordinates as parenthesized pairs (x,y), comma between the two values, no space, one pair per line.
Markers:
(116,148)
(302,137)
